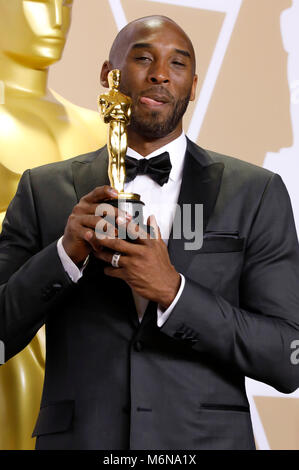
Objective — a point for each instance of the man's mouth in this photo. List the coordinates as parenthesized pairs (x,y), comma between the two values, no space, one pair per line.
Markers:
(154,101)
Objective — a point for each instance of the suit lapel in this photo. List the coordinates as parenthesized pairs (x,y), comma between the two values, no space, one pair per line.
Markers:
(90,173)
(200,185)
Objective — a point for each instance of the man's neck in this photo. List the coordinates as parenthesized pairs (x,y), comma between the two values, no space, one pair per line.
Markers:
(18,77)
(145,147)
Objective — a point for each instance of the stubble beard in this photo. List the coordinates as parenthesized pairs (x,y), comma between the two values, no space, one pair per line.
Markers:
(152,127)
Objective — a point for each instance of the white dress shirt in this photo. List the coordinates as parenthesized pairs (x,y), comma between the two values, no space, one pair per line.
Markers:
(161,202)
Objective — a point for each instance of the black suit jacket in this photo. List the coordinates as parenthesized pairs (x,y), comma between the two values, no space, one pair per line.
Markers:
(112,383)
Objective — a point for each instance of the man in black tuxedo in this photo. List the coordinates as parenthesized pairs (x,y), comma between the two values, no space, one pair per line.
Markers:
(152,353)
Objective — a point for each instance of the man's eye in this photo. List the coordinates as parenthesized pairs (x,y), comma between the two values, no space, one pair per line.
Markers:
(180,64)
(143,59)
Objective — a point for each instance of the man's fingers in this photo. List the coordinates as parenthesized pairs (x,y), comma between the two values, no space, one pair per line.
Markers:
(90,208)
(114,272)
(137,233)
(107,255)
(117,244)
(102,226)
(100,193)
(151,220)
(97,223)
(104,254)
(111,213)
(87,235)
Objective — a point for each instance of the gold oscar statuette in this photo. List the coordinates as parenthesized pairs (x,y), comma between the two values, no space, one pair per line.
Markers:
(115,110)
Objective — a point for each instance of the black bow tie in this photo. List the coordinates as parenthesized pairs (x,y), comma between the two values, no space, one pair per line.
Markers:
(157,168)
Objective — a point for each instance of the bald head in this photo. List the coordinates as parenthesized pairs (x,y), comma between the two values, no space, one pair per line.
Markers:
(142,27)
(157,64)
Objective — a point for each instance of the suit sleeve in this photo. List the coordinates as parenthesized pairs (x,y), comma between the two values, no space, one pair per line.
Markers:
(32,278)
(254,337)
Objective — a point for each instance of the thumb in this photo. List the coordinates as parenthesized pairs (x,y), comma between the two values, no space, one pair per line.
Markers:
(151,220)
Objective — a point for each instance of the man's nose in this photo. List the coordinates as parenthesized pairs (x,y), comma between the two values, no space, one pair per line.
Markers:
(158,73)
(57,13)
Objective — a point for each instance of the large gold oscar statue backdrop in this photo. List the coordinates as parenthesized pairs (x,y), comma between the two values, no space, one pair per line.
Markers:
(37,126)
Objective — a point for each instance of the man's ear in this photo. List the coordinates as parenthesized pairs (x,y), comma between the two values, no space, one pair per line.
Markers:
(193,89)
(106,68)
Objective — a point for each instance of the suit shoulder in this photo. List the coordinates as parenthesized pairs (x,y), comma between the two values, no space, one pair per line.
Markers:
(241,176)
(238,175)
(237,167)
(62,168)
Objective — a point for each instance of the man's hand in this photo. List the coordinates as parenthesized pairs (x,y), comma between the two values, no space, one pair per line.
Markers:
(79,231)
(144,265)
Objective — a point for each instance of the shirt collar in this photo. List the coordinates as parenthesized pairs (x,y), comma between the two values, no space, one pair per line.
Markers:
(176,149)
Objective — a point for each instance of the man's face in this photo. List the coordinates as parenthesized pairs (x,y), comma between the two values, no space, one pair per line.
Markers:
(34,32)
(158,74)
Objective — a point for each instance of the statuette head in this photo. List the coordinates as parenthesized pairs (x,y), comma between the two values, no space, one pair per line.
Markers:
(114,79)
